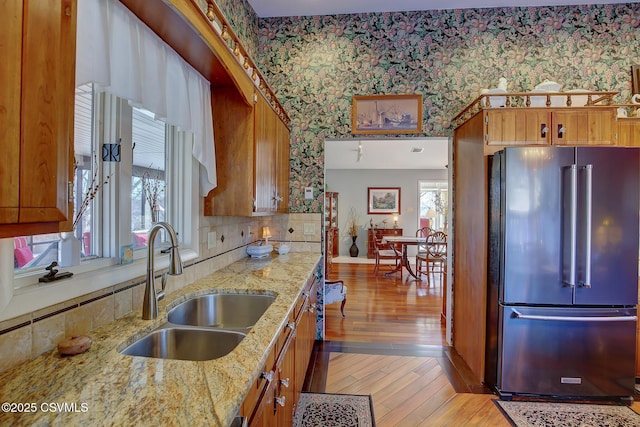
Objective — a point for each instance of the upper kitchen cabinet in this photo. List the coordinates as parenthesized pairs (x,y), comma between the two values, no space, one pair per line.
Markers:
(252,156)
(36,115)
(550,126)
(271,160)
(629,131)
(516,123)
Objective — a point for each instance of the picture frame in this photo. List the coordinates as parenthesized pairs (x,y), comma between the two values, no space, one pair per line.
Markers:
(635,79)
(386,114)
(383,200)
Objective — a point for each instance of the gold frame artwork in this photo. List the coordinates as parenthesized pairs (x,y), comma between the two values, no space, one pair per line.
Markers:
(383,200)
(386,114)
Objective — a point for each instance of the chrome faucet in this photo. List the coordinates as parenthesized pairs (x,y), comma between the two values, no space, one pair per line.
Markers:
(151,297)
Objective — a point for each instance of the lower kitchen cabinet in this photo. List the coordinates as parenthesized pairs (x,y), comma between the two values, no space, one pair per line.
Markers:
(272,399)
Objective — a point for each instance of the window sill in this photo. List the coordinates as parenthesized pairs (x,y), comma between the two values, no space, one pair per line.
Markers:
(35,296)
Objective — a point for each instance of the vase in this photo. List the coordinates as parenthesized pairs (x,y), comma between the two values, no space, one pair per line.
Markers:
(70,247)
(353,250)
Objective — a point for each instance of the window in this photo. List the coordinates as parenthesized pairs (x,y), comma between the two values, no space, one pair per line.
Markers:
(148,181)
(140,183)
(433,204)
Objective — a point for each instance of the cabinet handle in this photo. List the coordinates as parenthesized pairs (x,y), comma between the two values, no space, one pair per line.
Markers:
(291,326)
(543,130)
(281,400)
(312,308)
(561,130)
(285,382)
(267,375)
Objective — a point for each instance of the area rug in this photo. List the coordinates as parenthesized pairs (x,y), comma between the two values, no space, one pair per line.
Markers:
(334,410)
(539,414)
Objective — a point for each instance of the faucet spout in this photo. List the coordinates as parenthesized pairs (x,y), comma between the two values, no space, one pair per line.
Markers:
(151,296)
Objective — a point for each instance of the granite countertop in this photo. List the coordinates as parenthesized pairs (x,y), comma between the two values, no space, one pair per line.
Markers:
(103,387)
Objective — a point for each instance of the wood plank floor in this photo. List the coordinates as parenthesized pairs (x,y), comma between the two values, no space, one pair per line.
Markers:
(384,308)
(391,345)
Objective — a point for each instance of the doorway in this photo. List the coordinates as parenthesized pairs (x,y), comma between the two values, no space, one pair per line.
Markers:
(384,309)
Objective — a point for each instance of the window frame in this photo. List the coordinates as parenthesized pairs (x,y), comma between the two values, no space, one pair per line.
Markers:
(21,293)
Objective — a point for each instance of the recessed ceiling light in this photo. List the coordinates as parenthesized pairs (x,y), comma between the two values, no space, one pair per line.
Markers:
(417,150)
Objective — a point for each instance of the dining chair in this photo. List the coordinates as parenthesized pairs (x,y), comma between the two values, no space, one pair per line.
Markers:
(422,248)
(335,291)
(387,251)
(435,257)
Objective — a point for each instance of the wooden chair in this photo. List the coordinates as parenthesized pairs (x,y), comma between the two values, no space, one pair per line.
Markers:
(335,291)
(435,258)
(422,248)
(387,251)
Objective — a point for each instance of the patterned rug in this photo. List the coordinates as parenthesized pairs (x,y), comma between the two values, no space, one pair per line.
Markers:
(334,410)
(539,414)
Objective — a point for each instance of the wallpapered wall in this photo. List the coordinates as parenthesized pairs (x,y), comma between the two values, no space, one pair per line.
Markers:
(316,64)
(243,21)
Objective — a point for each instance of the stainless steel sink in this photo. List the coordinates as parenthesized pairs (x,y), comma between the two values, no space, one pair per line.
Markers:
(185,344)
(224,311)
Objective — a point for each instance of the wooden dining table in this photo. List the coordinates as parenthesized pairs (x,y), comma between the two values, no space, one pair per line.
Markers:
(405,242)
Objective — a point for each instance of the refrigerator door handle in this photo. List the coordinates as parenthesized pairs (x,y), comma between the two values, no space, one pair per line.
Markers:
(573,225)
(519,315)
(588,204)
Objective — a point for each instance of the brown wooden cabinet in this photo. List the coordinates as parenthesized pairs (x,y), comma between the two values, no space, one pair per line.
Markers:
(272,399)
(252,157)
(378,233)
(36,115)
(480,135)
(332,232)
(629,132)
(548,126)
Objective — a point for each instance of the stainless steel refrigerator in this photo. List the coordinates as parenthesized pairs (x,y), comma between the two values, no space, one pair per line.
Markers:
(563,271)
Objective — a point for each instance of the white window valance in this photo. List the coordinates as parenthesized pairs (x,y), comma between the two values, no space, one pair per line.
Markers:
(121,55)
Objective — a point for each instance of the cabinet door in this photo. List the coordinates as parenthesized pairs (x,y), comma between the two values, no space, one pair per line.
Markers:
(517,126)
(282,166)
(48,78)
(584,127)
(37,130)
(629,132)
(11,53)
(265,156)
(285,386)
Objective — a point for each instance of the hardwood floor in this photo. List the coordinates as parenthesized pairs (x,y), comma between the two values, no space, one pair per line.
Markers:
(385,309)
(391,345)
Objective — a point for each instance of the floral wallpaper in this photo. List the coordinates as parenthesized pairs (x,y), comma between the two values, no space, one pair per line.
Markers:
(317,64)
(243,21)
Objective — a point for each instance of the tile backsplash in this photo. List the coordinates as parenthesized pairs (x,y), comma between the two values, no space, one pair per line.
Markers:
(25,337)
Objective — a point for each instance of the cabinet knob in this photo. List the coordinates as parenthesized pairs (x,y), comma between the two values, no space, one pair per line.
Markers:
(267,375)
(281,400)
(543,130)
(285,382)
(561,130)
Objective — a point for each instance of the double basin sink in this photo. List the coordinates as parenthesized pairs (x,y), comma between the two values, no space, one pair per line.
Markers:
(204,327)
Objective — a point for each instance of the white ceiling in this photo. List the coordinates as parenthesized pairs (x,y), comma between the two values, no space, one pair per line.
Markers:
(271,8)
(386,153)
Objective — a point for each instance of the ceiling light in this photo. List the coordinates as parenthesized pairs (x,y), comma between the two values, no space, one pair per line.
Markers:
(417,150)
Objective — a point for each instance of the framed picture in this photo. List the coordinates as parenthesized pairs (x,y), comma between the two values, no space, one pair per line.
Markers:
(385,114)
(635,79)
(384,200)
